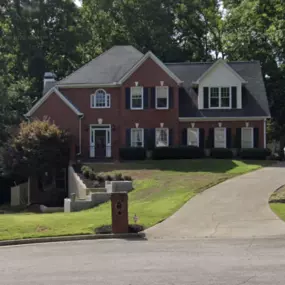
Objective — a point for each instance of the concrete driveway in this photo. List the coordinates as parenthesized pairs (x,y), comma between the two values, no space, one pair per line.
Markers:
(235,208)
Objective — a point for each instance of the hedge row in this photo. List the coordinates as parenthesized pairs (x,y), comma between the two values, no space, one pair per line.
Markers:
(188,152)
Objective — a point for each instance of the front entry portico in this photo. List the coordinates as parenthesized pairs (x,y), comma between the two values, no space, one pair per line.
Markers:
(100,141)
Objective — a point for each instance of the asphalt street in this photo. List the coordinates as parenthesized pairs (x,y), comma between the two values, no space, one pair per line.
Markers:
(121,262)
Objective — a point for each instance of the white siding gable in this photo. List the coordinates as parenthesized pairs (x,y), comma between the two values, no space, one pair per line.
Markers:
(220,76)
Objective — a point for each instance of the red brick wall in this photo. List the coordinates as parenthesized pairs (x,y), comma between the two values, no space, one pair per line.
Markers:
(229,124)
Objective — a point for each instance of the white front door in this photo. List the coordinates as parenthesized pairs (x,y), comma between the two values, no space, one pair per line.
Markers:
(100,141)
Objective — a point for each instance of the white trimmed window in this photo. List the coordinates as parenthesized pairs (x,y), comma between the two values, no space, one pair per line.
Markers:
(162,97)
(247,137)
(100,99)
(193,136)
(220,140)
(137,98)
(137,137)
(220,97)
(161,137)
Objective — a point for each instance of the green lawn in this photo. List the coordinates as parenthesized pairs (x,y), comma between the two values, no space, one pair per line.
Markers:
(161,187)
(277,201)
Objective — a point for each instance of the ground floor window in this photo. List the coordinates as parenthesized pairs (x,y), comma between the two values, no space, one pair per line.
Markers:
(220,138)
(193,136)
(137,137)
(247,137)
(161,137)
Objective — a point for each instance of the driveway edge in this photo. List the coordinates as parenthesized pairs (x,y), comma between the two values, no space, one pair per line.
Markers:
(135,236)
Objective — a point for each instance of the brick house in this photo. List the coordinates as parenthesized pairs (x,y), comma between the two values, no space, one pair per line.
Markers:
(126,98)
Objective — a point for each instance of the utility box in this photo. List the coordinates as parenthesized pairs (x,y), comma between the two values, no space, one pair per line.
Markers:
(120,220)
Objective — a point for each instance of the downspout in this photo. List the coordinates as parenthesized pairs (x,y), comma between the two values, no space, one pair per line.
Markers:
(79,135)
(264,138)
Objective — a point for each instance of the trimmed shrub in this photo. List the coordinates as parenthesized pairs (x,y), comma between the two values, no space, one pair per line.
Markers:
(178,152)
(221,153)
(254,153)
(118,177)
(128,178)
(132,153)
(92,175)
(108,178)
(100,178)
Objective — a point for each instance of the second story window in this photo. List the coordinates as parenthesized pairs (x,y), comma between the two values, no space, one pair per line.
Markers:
(100,99)
(162,97)
(220,97)
(137,98)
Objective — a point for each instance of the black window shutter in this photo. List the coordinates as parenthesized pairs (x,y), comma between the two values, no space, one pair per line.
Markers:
(184,137)
(201,138)
(128,98)
(238,138)
(171,98)
(206,97)
(234,97)
(152,97)
(128,137)
(256,137)
(146,134)
(229,138)
(145,98)
(170,134)
(210,140)
(150,143)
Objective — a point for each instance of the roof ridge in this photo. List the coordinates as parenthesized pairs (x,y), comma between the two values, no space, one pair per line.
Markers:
(208,62)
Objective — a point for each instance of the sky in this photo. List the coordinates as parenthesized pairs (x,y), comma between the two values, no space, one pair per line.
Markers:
(77,2)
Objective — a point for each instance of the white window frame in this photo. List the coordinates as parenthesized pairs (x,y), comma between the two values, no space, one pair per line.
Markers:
(225,134)
(252,137)
(167,97)
(93,100)
(167,132)
(198,136)
(142,98)
(220,97)
(137,129)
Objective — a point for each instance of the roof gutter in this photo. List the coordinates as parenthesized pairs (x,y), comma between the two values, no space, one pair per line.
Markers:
(204,119)
(113,84)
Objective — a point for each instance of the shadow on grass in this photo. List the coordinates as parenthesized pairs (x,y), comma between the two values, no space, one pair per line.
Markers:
(183,165)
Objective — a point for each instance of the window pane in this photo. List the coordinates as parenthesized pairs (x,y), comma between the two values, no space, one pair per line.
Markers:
(136,97)
(161,137)
(137,137)
(136,101)
(220,137)
(214,99)
(225,97)
(247,138)
(162,97)
(193,137)
(100,99)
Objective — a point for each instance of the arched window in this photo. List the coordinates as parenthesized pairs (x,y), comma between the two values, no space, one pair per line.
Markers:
(100,99)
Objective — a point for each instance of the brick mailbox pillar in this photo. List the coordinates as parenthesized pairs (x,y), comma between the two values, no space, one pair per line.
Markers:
(120,221)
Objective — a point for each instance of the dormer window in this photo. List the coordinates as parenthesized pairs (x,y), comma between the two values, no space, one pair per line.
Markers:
(100,99)
(220,97)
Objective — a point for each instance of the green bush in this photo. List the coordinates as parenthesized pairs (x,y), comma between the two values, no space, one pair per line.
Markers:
(92,175)
(128,178)
(118,177)
(178,152)
(221,153)
(132,153)
(254,153)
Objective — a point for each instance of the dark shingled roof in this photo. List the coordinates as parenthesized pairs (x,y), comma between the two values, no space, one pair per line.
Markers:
(107,68)
(254,98)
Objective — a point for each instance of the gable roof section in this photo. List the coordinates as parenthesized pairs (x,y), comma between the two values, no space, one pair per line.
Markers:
(107,68)
(213,66)
(255,103)
(157,61)
(60,95)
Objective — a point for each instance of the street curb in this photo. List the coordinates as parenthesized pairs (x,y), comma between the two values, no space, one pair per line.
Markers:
(135,236)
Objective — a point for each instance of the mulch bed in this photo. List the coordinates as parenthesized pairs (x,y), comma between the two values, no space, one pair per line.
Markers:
(107,229)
